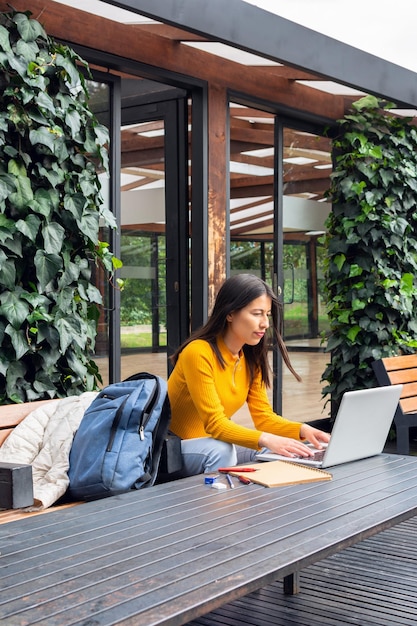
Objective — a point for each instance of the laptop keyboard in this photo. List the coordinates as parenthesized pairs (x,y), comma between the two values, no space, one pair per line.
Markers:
(317,456)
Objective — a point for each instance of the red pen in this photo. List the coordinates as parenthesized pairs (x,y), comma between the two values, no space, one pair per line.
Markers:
(226,470)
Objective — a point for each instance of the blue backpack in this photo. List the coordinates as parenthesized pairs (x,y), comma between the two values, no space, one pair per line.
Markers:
(118,444)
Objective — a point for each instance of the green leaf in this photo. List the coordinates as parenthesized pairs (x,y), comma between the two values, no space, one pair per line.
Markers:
(72,75)
(44,136)
(53,236)
(355,270)
(407,284)
(367,102)
(19,341)
(27,50)
(344,317)
(47,267)
(35,299)
(4,40)
(117,263)
(16,168)
(70,275)
(88,186)
(88,224)
(44,384)
(55,176)
(13,308)
(23,194)
(77,365)
(28,29)
(44,101)
(357,138)
(8,275)
(73,121)
(16,370)
(339,261)
(107,216)
(3,258)
(19,65)
(69,330)
(50,355)
(29,226)
(375,152)
(94,294)
(353,332)
(75,203)
(9,241)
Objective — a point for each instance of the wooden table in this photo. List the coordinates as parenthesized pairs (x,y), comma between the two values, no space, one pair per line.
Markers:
(171,553)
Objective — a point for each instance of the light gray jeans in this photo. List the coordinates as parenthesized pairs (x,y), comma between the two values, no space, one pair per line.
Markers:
(205,455)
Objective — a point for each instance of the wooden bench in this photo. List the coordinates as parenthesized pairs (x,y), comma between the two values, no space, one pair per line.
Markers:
(10,416)
(401,370)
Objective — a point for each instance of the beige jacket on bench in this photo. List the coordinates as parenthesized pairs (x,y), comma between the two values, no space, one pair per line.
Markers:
(43,439)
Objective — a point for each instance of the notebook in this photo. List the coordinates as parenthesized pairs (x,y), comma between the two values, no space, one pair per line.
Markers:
(281,473)
(360,429)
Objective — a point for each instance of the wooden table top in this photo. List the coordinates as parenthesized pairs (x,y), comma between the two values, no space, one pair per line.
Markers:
(168,554)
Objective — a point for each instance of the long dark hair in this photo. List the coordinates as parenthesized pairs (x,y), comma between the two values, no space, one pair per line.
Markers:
(235,294)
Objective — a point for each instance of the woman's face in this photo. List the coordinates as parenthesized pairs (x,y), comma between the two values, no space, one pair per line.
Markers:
(250,324)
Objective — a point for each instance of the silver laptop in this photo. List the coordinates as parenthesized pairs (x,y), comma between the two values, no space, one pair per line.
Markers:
(360,429)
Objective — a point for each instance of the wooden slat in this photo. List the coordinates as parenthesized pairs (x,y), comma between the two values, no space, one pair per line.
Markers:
(10,515)
(400,362)
(403,370)
(409,405)
(12,414)
(402,376)
(409,390)
(372,583)
(4,433)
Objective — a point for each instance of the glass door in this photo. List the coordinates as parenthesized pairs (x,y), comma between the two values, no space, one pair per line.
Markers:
(278,179)
(307,165)
(154,229)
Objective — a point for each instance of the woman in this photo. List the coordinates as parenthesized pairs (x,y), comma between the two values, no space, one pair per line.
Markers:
(220,367)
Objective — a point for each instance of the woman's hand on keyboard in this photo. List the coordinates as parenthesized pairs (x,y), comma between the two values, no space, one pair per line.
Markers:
(315,436)
(284,446)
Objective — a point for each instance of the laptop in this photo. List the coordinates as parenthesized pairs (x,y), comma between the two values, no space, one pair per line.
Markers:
(360,429)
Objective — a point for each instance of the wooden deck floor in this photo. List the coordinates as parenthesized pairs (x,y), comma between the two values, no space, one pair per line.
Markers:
(371,584)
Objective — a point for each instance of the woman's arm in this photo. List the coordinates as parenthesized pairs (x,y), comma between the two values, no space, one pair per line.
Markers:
(279,434)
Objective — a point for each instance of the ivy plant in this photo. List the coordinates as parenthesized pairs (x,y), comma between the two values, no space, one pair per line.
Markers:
(371,243)
(51,151)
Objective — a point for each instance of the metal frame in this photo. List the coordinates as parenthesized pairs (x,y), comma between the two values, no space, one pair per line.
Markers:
(260,32)
(278,251)
(115,165)
(113,311)
(199,203)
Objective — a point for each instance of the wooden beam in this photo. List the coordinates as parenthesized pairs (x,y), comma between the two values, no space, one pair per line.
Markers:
(135,43)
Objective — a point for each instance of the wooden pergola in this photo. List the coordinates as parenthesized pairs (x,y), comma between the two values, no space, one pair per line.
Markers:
(260,92)
(161,49)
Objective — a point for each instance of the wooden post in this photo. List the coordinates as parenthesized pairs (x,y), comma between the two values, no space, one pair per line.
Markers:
(218,112)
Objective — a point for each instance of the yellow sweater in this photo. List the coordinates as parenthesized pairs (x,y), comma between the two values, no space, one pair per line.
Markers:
(204,396)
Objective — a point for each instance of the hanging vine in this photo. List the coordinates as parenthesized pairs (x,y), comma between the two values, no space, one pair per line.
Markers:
(371,244)
(51,149)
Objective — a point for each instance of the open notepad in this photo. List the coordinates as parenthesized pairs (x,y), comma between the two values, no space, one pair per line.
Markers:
(281,473)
